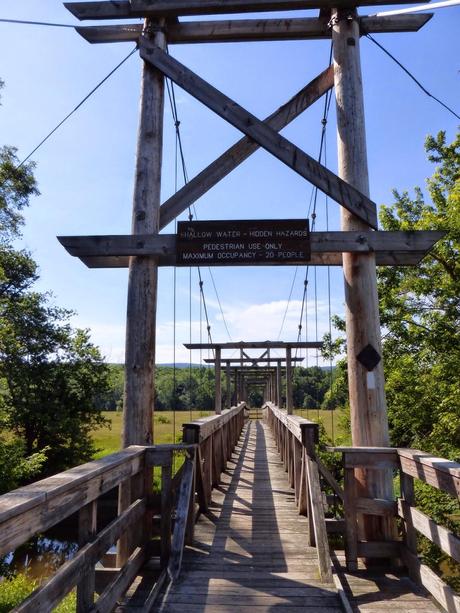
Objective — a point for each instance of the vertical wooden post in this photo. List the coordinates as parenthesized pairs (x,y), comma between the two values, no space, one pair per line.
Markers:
(369,422)
(218,380)
(228,392)
(87,528)
(166,511)
(143,277)
(278,385)
(289,402)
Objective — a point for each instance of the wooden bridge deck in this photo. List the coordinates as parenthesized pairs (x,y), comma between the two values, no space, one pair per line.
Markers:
(250,553)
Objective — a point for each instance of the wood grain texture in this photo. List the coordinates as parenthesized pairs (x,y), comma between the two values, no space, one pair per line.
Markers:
(250,552)
(36,507)
(143,273)
(250,30)
(296,159)
(244,148)
(368,410)
(48,595)
(442,537)
(122,9)
(439,472)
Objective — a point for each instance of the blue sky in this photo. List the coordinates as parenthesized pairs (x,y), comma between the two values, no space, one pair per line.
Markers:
(85,172)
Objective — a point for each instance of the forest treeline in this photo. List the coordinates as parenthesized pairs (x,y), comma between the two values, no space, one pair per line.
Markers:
(185,388)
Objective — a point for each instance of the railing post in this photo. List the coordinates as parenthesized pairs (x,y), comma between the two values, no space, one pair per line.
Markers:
(87,529)
(289,399)
(218,382)
(166,511)
(409,532)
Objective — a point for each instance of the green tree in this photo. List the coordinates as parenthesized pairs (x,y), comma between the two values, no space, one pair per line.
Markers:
(50,375)
(420,311)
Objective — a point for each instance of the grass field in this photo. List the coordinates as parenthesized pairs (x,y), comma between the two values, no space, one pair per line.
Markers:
(331,420)
(108,440)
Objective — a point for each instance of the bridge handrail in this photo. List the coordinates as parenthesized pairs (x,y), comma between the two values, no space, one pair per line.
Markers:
(412,464)
(295,438)
(216,437)
(199,430)
(39,506)
(59,496)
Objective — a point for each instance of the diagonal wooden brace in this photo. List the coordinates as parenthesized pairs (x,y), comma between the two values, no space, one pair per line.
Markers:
(245,147)
(354,201)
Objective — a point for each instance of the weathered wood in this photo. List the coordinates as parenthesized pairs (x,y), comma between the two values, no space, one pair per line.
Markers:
(249,30)
(289,398)
(193,509)
(257,345)
(124,545)
(59,496)
(123,9)
(109,597)
(328,476)
(379,549)
(440,591)
(201,486)
(155,592)
(440,536)
(142,280)
(166,512)
(382,258)
(47,596)
(351,522)
(369,421)
(296,159)
(442,474)
(180,524)
(319,523)
(409,532)
(218,383)
(244,148)
(376,506)
(303,493)
(114,250)
(199,430)
(87,529)
(298,426)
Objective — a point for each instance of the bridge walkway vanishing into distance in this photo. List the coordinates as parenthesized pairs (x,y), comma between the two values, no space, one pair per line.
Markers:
(242,526)
(251,553)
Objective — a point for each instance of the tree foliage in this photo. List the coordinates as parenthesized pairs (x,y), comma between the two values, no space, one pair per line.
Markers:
(50,374)
(420,311)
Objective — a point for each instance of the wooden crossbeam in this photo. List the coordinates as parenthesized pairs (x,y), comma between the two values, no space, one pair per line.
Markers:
(382,258)
(354,201)
(123,9)
(244,148)
(254,361)
(251,30)
(257,345)
(328,244)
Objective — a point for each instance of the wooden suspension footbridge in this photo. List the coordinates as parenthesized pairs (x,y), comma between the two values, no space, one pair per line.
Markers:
(253,520)
(242,526)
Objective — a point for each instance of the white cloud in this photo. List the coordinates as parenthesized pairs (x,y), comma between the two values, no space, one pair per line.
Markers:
(248,322)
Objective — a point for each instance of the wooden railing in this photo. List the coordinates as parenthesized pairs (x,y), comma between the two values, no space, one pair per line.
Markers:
(296,439)
(216,437)
(411,464)
(37,507)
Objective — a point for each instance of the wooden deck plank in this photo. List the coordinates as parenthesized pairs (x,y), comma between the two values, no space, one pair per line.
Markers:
(251,551)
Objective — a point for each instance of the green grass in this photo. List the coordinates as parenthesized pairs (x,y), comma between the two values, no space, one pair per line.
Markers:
(14,591)
(331,421)
(108,440)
